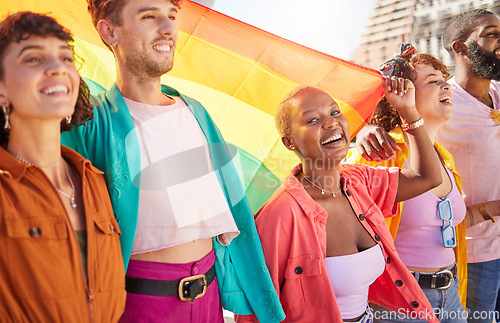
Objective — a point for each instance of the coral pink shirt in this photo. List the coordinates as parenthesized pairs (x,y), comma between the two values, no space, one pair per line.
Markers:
(291,226)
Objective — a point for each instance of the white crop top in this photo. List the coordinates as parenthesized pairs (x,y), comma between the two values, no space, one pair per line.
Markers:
(180,198)
(350,279)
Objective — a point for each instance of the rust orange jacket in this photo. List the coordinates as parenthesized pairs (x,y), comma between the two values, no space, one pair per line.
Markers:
(41,271)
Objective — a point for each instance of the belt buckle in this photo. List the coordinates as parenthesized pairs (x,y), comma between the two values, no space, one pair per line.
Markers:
(183,282)
(445,272)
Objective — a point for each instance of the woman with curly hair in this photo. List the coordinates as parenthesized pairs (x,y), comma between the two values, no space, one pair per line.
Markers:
(60,259)
(426,227)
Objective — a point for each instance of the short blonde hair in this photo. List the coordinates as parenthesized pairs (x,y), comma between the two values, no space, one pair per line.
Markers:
(282,117)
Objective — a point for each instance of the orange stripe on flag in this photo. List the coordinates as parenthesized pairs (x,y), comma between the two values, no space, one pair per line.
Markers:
(357,86)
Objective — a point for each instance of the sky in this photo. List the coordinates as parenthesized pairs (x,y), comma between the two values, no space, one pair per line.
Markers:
(330,26)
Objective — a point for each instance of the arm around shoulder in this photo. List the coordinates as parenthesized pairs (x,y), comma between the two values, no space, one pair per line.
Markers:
(375,144)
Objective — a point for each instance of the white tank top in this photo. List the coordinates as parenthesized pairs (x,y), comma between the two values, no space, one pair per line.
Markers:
(180,198)
(350,279)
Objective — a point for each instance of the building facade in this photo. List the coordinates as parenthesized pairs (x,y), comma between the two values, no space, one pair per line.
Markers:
(418,21)
(389,24)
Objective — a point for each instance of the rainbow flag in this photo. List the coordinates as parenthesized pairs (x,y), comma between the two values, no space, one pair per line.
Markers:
(238,72)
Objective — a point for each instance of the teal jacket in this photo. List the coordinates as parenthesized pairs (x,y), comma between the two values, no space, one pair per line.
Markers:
(110,142)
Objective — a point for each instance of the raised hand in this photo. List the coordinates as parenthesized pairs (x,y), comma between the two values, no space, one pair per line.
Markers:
(401,95)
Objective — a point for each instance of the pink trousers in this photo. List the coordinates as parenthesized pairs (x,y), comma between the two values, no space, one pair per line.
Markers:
(156,309)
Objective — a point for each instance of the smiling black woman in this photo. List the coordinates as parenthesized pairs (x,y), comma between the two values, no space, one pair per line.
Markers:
(324,225)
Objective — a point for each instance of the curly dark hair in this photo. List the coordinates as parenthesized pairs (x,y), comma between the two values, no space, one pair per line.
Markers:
(385,115)
(111,9)
(21,26)
(461,26)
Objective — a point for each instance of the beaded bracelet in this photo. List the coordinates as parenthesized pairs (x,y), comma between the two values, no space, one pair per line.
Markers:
(413,125)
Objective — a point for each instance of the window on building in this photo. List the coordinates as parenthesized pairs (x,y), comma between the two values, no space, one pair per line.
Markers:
(383,52)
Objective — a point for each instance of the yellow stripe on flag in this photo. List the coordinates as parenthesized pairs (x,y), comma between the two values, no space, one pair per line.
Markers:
(72,14)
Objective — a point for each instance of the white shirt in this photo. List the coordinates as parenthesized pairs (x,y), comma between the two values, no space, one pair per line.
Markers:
(180,198)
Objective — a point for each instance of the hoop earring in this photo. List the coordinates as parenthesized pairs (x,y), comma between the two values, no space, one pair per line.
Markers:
(68,120)
(6,113)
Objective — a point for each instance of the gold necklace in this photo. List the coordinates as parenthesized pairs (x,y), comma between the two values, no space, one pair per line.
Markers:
(320,188)
(57,163)
(66,168)
(72,196)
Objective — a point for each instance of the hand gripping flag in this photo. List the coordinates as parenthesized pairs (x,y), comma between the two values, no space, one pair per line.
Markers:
(238,72)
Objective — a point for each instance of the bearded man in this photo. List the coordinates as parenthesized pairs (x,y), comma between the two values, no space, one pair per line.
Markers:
(473,137)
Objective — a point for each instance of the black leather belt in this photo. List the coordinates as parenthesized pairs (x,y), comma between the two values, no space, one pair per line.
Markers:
(439,280)
(187,289)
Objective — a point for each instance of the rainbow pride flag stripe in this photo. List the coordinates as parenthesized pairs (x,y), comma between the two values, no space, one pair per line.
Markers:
(238,72)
